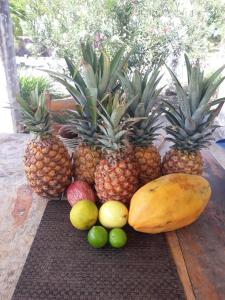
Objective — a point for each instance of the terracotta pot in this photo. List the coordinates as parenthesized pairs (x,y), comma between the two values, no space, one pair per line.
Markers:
(58,105)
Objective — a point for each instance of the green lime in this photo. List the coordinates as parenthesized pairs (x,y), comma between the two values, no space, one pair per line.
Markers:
(97,236)
(117,238)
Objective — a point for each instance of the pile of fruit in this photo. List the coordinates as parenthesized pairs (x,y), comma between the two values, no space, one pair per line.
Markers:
(112,215)
(116,122)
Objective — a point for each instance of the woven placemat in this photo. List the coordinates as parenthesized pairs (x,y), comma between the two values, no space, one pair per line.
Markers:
(61,265)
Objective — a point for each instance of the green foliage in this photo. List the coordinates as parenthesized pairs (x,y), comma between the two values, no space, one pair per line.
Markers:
(143,91)
(34,112)
(28,83)
(191,125)
(154,29)
(18,14)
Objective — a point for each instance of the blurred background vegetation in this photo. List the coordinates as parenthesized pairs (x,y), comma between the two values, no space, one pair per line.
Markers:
(155,29)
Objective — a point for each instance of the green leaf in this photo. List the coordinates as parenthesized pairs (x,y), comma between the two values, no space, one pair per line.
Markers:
(24,105)
(181,93)
(216,101)
(92,105)
(190,125)
(120,134)
(150,86)
(137,83)
(188,67)
(214,113)
(103,82)
(78,97)
(140,110)
(127,85)
(175,113)
(89,76)
(145,79)
(212,87)
(194,88)
(116,66)
(71,67)
(117,115)
(213,77)
(169,115)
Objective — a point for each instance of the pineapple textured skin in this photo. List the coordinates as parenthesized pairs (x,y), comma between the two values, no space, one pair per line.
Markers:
(178,161)
(148,160)
(116,180)
(47,166)
(86,159)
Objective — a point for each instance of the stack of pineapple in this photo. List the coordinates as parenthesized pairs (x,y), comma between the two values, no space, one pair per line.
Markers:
(117,124)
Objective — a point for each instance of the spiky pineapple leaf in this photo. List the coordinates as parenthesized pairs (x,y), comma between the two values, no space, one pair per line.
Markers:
(89,76)
(188,67)
(116,66)
(91,94)
(212,87)
(104,79)
(180,93)
(71,67)
(213,77)
(137,83)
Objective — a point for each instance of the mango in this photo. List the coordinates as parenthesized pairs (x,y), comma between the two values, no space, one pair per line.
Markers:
(168,203)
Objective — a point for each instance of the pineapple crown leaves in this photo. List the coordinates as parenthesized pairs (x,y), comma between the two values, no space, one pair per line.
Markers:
(92,80)
(101,73)
(191,125)
(81,122)
(89,54)
(34,113)
(115,127)
(145,89)
(96,71)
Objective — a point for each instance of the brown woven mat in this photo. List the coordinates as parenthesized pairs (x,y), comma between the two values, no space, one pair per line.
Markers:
(61,265)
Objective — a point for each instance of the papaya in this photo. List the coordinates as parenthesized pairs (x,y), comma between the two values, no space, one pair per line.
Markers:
(169,203)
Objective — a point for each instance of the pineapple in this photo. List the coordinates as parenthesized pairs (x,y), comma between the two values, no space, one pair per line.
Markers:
(87,153)
(47,162)
(86,159)
(144,132)
(116,176)
(191,125)
(97,78)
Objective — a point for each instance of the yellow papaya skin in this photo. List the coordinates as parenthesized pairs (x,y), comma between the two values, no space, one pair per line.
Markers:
(169,203)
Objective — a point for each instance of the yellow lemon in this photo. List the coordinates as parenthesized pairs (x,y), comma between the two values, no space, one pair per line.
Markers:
(84,214)
(113,214)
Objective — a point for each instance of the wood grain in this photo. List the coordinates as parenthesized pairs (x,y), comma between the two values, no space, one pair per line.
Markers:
(203,243)
(180,264)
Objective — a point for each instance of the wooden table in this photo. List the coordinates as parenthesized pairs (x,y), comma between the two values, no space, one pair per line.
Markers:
(198,250)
